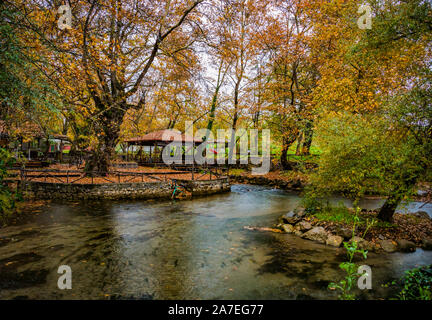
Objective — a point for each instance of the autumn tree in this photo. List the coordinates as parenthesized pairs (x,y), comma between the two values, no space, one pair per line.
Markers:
(290,71)
(373,77)
(107,54)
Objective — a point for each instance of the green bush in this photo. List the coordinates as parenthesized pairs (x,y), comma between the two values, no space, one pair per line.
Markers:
(7,202)
(416,284)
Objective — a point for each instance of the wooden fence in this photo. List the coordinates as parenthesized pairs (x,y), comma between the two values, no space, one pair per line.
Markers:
(74,176)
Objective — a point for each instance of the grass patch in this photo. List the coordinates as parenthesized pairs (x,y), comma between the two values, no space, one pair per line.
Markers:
(237,172)
(341,214)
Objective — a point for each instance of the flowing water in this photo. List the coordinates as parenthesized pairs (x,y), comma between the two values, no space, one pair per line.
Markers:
(195,249)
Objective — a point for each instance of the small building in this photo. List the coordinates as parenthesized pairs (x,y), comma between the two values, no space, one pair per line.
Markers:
(29,140)
(150,146)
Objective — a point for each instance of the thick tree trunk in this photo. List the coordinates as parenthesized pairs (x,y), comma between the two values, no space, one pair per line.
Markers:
(100,159)
(286,143)
(388,209)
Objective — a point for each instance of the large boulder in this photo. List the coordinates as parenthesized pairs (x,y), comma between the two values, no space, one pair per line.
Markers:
(388,245)
(334,240)
(362,243)
(316,234)
(406,245)
(427,244)
(287,228)
(304,226)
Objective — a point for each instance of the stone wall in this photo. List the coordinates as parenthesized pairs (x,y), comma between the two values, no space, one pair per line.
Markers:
(115,191)
(204,187)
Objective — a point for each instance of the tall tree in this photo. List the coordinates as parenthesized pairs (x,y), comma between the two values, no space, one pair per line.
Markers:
(291,72)
(107,54)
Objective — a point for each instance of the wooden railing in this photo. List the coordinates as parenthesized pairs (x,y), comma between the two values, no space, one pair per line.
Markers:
(74,176)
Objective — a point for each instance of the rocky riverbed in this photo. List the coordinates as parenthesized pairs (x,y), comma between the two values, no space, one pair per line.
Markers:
(407,232)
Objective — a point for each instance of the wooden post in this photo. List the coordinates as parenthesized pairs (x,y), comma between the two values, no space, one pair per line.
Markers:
(193,158)
(67,176)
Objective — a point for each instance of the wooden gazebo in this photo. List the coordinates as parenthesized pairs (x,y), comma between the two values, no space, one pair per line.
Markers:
(159,139)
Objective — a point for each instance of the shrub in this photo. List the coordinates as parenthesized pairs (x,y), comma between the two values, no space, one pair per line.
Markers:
(416,284)
(7,202)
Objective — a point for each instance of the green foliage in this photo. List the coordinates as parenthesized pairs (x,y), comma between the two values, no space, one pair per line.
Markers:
(416,284)
(363,154)
(22,85)
(7,202)
(346,285)
(338,213)
(312,201)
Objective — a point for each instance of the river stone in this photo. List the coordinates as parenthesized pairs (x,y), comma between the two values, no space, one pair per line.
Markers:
(388,245)
(362,243)
(298,233)
(297,230)
(316,234)
(344,233)
(304,226)
(334,241)
(427,244)
(422,214)
(406,245)
(290,218)
(299,212)
(288,228)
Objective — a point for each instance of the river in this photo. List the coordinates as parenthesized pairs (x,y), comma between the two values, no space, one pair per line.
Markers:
(195,249)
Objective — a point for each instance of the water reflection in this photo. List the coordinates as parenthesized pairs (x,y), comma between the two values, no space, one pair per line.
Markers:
(177,250)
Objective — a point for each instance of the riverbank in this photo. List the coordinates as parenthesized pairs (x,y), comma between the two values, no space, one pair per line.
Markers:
(22,211)
(297,181)
(284,180)
(406,233)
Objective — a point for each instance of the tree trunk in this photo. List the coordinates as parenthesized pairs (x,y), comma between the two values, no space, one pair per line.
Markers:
(286,143)
(388,209)
(299,144)
(212,110)
(100,159)
(307,140)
